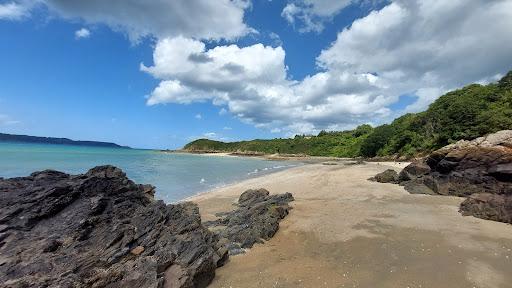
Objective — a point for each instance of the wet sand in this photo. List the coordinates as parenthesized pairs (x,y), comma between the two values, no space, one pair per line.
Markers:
(345,231)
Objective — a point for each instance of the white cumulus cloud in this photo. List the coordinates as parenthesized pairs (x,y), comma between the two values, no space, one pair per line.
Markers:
(426,46)
(310,15)
(203,19)
(420,48)
(251,82)
(13,11)
(82,33)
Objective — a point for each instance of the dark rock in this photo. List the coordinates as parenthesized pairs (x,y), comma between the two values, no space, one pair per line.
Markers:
(488,206)
(417,187)
(353,163)
(388,176)
(480,169)
(100,229)
(251,197)
(502,172)
(413,171)
(256,219)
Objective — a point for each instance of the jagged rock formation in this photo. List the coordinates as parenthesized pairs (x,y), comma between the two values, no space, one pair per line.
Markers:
(100,229)
(257,217)
(480,169)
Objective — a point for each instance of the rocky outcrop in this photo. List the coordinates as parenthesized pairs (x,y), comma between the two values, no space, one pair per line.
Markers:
(100,229)
(388,176)
(488,206)
(480,169)
(256,219)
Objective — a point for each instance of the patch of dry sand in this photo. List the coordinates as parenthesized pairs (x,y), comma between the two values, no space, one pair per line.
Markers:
(345,231)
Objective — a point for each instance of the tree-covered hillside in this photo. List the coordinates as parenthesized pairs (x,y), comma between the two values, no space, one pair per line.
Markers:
(339,144)
(466,113)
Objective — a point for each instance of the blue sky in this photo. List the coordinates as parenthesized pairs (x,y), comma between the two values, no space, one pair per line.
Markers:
(70,69)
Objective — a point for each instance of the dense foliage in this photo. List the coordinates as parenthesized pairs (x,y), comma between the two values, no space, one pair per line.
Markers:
(467,113)
(339,144)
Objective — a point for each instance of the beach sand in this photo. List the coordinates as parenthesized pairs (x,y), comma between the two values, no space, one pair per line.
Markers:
(345,231)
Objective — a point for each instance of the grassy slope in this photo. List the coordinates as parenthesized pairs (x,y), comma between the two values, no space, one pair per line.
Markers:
(466,113)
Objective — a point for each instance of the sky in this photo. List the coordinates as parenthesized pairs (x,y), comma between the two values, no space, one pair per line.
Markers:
(161,73)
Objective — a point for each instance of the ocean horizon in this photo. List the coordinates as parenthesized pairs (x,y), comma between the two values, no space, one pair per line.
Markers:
(176,176)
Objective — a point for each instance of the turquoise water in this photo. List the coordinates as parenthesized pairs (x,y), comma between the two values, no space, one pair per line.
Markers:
(176,176)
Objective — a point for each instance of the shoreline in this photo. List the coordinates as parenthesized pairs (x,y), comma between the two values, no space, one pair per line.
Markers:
(237,182)
(345,231)
(338,161)
(232,190)
(292,157)
(278,157)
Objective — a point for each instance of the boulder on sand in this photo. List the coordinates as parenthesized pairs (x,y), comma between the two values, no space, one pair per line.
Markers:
(257,217)
(488,206)
(480,169)
(388,176)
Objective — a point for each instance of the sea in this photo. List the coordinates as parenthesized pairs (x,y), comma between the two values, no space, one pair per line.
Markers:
(176,176)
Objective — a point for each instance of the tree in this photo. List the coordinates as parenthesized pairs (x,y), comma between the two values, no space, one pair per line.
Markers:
(376,140)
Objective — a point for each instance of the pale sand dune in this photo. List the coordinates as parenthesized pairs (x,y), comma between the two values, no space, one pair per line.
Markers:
(345,231)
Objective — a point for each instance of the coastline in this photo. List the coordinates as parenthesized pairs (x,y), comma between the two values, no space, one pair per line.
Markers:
(218,154)
(345,231)
(279,157)
(308,160)
(263,175)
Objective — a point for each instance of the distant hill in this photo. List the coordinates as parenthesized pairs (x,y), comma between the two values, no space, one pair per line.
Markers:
(467,113)
(51,140)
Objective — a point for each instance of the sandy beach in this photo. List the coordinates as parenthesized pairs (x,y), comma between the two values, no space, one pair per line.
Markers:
(277,157)
(345,231)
